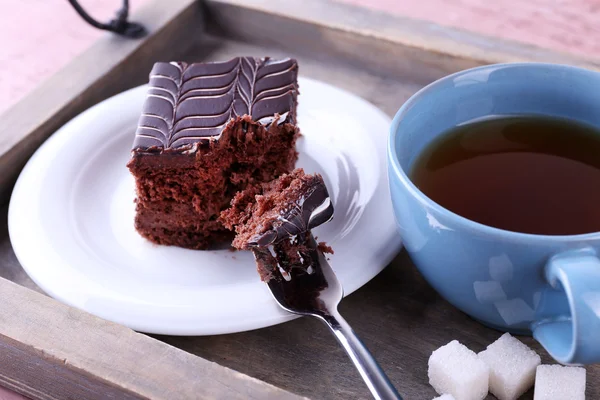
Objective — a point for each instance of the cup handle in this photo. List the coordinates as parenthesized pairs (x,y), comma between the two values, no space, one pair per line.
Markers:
(574,338)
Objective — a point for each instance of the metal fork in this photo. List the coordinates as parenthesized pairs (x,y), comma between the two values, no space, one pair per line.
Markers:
(317,293)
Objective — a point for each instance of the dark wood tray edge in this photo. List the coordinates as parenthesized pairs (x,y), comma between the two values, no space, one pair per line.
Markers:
(47,338)
(53,351)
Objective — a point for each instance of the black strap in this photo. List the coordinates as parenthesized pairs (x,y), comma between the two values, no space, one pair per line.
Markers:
(118,25)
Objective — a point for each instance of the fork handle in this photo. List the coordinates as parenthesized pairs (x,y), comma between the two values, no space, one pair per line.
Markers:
(377,381)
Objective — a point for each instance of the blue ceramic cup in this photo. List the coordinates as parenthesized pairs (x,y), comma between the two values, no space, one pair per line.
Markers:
(548,286)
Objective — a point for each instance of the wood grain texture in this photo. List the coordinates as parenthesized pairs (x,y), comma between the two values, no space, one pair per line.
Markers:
(370,39)
(52,351)
(398,315)
(10,269)
(40,46)
(320,27)
(86,81)
(41,37)
(562,25)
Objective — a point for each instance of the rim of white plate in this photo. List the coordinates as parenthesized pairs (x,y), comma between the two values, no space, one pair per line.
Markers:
(50,268)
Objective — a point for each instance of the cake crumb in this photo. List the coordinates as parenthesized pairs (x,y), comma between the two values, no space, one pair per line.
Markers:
(274,221)
(324,248)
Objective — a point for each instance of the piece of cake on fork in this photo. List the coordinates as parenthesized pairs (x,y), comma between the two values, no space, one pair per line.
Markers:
(207,131)
(275,220)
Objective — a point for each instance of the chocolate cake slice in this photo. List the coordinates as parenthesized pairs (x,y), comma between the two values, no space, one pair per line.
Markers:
(206,132)
(274,220)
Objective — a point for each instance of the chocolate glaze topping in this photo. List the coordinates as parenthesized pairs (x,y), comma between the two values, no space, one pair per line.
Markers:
(312,209)
(191,103)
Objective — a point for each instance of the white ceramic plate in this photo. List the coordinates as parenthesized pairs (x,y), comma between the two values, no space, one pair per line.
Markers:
(71,221)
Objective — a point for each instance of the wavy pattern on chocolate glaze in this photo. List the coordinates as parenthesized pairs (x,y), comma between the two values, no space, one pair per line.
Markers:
(312,209)
(190,103)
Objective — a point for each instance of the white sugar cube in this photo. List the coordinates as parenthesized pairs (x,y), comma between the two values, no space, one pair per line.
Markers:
(445,397)
(512,367)
(555,382)
(456,370)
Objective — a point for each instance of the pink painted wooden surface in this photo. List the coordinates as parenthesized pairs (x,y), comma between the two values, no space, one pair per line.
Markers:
(8,395)
(41,36)
(38,37)
(564,25)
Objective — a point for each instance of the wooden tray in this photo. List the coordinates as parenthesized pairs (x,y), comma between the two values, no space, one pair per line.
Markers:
(52,351)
